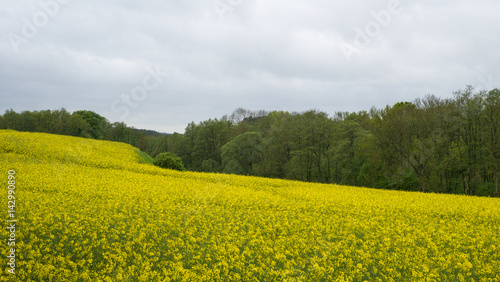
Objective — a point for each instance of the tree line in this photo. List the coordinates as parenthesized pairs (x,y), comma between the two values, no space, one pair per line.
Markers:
(430,144)
(87,124)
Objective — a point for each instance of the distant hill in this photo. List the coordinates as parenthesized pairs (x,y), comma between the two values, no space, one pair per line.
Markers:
(151,132)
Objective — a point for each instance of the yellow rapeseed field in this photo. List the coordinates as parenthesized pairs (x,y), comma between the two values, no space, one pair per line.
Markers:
(89,210)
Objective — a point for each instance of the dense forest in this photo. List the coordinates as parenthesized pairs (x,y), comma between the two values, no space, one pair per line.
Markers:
(429,145)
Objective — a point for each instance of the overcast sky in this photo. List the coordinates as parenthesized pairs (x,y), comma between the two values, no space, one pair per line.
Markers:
(162,64)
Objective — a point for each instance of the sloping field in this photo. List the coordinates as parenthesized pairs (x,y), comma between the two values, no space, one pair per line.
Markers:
(89,210)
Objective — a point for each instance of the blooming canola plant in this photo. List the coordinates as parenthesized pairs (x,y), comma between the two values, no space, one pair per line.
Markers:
(92,210)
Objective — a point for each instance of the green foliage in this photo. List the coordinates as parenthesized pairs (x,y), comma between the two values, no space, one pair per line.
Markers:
(239,154)
(169,160)
(210,165)
(120,132)
(203,143)
(97,123)
(56,122)
(276,145)
(429,145)
(144,158)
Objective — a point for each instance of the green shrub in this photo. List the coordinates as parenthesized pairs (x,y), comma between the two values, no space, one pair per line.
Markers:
(169,160)
(144,158)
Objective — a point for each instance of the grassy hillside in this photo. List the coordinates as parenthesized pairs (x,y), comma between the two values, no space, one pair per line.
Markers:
(97,211)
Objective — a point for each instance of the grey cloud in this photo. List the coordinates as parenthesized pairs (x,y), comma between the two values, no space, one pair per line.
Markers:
(281,55)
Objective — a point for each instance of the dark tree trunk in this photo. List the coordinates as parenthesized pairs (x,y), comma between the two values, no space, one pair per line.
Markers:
(496,180)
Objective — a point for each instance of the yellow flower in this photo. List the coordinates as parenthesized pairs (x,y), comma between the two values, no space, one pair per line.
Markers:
(90,211)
